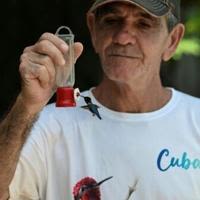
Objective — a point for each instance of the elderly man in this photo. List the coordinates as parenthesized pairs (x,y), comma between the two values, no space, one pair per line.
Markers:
(149,135)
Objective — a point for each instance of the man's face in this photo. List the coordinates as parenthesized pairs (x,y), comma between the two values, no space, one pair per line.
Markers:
(129,41)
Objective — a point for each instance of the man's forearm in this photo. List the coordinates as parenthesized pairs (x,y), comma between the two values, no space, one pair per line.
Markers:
(14,130)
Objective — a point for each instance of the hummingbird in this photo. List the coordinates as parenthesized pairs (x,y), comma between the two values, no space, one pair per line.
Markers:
(88,189)
(93,108)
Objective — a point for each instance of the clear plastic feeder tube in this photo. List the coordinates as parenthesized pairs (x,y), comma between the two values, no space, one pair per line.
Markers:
(65,75)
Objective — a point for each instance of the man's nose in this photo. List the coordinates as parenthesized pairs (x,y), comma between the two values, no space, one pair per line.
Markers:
(126,34)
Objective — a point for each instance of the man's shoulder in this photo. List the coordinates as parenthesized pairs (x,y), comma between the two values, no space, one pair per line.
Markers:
(188,99)
(189,106)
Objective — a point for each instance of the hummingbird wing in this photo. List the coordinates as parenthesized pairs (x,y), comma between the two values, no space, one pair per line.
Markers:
(93,108)
(85,107)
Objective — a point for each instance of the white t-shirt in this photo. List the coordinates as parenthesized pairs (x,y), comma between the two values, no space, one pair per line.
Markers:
(156,155)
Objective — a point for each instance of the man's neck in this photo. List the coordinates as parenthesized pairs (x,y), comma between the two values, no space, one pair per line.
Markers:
(122,98)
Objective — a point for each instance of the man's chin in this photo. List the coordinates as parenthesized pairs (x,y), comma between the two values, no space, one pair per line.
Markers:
(118,75)
(121,71)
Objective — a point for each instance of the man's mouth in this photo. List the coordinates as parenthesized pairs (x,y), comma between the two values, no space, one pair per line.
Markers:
(124,56)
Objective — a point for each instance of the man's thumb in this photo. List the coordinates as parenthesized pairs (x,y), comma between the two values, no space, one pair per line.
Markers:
(78,49)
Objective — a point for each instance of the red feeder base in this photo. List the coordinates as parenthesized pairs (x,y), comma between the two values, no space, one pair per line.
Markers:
(65,97)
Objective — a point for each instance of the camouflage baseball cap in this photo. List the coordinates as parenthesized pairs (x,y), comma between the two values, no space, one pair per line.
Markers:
(156,8)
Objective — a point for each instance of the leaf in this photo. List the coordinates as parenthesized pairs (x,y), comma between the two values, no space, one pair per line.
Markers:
(190,46)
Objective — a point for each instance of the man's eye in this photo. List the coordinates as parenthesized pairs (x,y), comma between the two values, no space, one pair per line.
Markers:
(110,21)
(144,25)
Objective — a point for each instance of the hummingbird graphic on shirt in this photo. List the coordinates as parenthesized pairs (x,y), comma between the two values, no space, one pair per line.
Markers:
(88,189)
(93,108)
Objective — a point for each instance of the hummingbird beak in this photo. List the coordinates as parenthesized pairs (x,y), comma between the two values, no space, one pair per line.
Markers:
(98,184)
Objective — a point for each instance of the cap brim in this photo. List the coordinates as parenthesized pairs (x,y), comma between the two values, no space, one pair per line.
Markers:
(153,7)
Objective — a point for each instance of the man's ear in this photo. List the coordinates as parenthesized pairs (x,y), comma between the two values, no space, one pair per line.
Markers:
(174,39)
(91,27)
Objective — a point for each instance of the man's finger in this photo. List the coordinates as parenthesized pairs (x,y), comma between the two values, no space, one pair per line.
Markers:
(78,49)
(58,42)
(46,47)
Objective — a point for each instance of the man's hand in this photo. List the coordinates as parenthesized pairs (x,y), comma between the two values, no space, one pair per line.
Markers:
(38,69)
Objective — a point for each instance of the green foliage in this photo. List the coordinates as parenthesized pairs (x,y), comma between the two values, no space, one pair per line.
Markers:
(191,42)
(189,46)
(193,23)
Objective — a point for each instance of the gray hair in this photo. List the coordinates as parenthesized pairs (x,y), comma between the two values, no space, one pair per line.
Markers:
(171,21)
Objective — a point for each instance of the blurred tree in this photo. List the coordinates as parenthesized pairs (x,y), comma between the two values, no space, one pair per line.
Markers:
(190,45)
